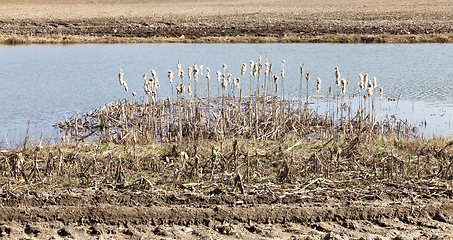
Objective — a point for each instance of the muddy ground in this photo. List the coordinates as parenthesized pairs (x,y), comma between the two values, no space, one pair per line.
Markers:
(321,210)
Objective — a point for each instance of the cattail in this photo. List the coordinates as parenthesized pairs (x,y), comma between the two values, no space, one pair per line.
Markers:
(178,66)
(120,77)
(125,86)
(224,84)
(343,86)
(229,77)
(170,76)
(178,88)
(218,76)
(270,68)
(337,76)
(266,72)
(365,78)
(201,70)
(243,69)
(381,90)
(183,89)
(156,83)
(189,72)
(275,79)
(238,80)
(181,74)
(134,93)
(251,67)
(153,73)
(189,89)
(318,84)
(146,88)
(255,69)
(374,82)
(144,77)
(283,69)
(307,76)
(195,72)
(207,73)
(259,68)
(259,58)
(153,96)
(370,91)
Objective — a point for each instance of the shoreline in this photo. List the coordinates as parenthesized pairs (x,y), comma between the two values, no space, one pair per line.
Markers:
(339,38)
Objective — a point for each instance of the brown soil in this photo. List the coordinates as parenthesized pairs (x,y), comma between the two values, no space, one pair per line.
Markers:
(238,21)
(195,211)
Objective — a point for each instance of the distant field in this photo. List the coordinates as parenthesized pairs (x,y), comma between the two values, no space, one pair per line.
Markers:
(282,20)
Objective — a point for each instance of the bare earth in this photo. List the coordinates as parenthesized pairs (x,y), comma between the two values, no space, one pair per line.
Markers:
(279,20)
(206,212)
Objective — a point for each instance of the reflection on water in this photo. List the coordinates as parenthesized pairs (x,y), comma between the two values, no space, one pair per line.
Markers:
(50,82)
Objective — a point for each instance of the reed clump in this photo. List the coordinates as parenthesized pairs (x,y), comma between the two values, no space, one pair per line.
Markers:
(233,139)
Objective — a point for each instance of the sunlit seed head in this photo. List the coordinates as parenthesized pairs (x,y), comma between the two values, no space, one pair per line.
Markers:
(374,82)
(259,68)
(153,73)
(370,92)
(229,77)
(243,69)
(255,69)
(134,93)
(218,76)
(259,58)
(251,67)
(201,70)
(207,73)
(189,72)
(178,66)
(307,76)
(144,76)
(337,76)
(343,82)
(275,79)
(125,86)
(381,90)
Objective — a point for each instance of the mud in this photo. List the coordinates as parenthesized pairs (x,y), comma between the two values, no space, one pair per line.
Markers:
(196,211)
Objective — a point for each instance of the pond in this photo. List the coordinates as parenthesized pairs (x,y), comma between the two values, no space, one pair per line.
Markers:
(46,83)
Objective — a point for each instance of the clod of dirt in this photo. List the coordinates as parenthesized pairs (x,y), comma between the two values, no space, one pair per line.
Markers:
(31,230)
(4,230)
(162,231)
(63,232)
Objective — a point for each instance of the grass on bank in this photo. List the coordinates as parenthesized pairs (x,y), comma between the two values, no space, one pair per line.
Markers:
(329,38)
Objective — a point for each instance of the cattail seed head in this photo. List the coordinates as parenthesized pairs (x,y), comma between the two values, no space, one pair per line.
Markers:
(181,74)
(381,90)
(243,69)
(307,76)
(337,76)
(183,88)
(259,68)
(255,69)
(224,84)
(283,68)
(170,76)
(266,72)
(259,58)
(343,82)
(125,86)
(224,67)
(144,77)
(189,72)
(207,73)
(201,70)
(229,77)
(153,73)
(318,84)
(218,76)
(134,93)
(365,78)
(189,89)
(120,77)
(156,83)
(275,79)
(251,67)
(374,82)
(370,92)
(178,66)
